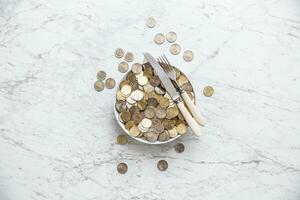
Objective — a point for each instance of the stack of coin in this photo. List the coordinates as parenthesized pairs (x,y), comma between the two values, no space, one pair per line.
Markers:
(146,109)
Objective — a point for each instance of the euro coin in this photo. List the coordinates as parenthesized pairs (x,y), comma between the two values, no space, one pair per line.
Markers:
(172,112)
(122,168)
(160,112)
(129,124)
(142,80)
(159,38)
(171,37)
(123,67)
(175,49)
(134,131)
(173,132)
(179,148)
(129,57)
(151,136)
(181,129)
(142,105)
(125,116)
(126,90)
(136,68)
(138,117)
(162,165)
(208,91)
(119,53)
(188,55)
(101,75)
(149,113)
(99,86)
(110,83)
(151,22)
(122,139)
(164,102)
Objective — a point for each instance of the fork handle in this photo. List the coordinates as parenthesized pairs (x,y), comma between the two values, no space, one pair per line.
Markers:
(196,128)
(193,109)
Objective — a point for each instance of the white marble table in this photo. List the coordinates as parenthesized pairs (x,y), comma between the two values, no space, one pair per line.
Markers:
(57,135)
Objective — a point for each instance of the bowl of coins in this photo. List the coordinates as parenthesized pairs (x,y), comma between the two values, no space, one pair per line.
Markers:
(144,109)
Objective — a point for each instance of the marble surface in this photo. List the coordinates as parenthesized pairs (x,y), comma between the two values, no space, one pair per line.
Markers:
(58,136)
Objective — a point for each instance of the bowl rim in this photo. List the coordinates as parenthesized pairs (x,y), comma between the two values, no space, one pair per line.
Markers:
(123,126)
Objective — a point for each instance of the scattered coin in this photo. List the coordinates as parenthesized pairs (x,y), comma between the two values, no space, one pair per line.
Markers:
(136,68)
(171,37)
(151,22)
(101,75)
(179,148)
(122,168)
(129,57)
(123,67)
(119,53)
(99,86)
(175,49)
(159,38)
(110,83)
(122,139)
(208,91)
(162,165)
(188,55)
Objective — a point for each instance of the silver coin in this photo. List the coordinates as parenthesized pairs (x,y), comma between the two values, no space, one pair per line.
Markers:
(171,37)
(175,49)
(151,22)
(188,55)
(99,86)
(101,75)
(151,136)
(123,67)
(159,38)
(136,68)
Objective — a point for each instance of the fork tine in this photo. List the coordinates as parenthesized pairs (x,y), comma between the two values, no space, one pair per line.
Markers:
(169,64)
(165,64)
(162,64)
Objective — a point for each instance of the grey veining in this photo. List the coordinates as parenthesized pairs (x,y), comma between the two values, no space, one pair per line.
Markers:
(57,135)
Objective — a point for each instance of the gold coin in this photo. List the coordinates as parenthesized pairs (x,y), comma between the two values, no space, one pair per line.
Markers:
(120,96)
(150,22)
(121,106)
(175,49)
(99,86)
(110,83)
(101,75)
(164,102)
(160,112)
(122,168)
(188,55)
(172,112)
(122,139)
(173,132)
(182,80)
(142,105)
(129,124)
(136,68)
(142,80)
(164,136)
(208,91)
(171,37)
(159,38)
(181,129)
(129,57)
(119,53)
(152,102)
(168,124)
(123,67)
(162,165)
(125,116)
(151,136)
(134,131)
(179,148)
(126,90)
(149,113)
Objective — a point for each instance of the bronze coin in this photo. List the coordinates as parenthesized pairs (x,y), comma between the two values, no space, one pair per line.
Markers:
(122,139)
(208,91)
(137,117)
(152,102)
(122,168)
(133,109)
(99,86)
(110,83)
(179,148)
(129,57)
(154,81)
(162,165)
(164,136)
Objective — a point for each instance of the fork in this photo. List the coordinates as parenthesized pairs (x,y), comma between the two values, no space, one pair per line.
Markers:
(169,70)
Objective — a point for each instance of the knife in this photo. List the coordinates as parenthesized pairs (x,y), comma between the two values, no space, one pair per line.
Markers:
(196,128)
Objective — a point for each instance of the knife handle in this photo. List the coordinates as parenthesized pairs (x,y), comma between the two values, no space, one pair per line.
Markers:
(193,109)
(196,128)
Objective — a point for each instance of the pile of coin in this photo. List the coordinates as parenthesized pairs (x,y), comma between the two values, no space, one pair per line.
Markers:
(146,109)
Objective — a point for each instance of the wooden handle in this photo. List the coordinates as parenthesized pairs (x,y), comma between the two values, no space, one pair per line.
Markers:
(196,128)
(194,110)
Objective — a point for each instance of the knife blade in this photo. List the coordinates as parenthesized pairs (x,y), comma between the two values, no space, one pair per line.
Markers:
(166,82)
(163,77)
